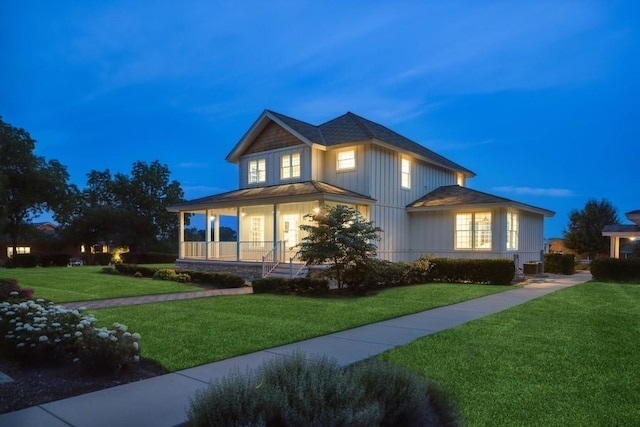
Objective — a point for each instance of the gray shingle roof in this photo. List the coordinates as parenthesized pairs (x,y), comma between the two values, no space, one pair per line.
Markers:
(350,128)
(274,194)
(449,196)
(621,228)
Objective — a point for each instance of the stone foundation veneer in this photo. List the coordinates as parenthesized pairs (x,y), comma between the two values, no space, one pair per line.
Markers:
(247,270)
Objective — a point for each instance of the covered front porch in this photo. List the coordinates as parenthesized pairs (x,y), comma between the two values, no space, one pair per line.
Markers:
(618,232)
(266,220)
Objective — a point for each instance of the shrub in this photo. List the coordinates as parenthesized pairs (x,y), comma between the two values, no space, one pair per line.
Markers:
(132,269)
(55,260)
(137,275)
(221,280)
(35,330)
(147,258)
(170,274)
(374,273)
(23,261)
(298,285)
(419,271)
(318,392)
(616,270)
(103,350)
(484,271)
(10,290)
(559,263)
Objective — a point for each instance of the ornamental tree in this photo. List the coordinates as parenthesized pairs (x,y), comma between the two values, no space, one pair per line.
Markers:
(341,236)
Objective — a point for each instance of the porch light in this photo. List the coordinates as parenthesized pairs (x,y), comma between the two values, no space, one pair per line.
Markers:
(212,217)
(316,210)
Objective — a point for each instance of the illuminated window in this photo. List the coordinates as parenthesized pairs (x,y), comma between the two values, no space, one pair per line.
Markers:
(473,231)
(257,171)
(346,160)
(512,231)
(290,166)
(405,173)
(20,250)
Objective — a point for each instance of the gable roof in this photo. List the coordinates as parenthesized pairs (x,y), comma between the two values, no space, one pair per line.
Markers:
(346,129)
(297,191)
(455,197)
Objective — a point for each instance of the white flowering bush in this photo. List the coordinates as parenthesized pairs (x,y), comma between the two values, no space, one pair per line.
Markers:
(109,350)
(39,330)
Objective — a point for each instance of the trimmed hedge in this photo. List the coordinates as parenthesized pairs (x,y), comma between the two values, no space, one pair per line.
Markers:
(616,270)
(297,286)
(221,280)
(148,258)
(560,263)
(484,271)
(23,261)
(55,260)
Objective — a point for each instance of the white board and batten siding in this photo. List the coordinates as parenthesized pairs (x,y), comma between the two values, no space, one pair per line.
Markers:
(272,159)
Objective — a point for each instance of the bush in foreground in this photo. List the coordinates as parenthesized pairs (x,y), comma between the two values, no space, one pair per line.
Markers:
(560,263)
(294,391)
(38,331)
(10,290)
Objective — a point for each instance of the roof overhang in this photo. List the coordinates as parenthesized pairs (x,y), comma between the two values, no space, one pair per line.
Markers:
(286,193)
(258,126)
(480,206)
(623,231)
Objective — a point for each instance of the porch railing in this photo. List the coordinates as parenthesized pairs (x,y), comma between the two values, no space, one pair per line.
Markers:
(272,258)
(296,265)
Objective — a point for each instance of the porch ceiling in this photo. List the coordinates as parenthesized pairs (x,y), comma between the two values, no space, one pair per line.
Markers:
(287,193)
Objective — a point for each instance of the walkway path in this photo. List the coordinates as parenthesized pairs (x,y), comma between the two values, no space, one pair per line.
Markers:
(147,299)
(162,401)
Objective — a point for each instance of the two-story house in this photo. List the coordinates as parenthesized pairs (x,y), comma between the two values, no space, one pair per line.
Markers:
(289,168)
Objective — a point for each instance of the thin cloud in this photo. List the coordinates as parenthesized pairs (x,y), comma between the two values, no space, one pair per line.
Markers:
(529,191)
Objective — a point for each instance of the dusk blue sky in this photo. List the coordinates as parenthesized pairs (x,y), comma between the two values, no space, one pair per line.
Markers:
(539,98)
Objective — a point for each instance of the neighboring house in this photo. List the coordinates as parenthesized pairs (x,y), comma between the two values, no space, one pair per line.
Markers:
(42,240)
(616,232)
(289,168)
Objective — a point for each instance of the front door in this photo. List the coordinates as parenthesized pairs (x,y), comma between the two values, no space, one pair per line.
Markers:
(290,233)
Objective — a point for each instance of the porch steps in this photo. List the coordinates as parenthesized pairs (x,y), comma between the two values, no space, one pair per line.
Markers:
(284,269)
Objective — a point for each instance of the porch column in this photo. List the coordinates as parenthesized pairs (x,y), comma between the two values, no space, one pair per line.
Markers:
(207,235)
(238,216)
(614,246)
(275,231)
(216,236)
(181,235)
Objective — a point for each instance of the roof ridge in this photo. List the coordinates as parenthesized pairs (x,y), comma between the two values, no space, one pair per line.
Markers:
(358,121)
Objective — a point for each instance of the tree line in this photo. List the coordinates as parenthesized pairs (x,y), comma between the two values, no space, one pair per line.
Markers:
(114,208)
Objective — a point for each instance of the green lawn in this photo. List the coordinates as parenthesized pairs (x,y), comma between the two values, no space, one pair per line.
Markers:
(67,284)
(182,334)
(571,358)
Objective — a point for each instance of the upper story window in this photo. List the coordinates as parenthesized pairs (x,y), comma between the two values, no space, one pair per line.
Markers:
(473,231)
(512,231)
(257,171)
(405,173)
(346,160)
(290,166)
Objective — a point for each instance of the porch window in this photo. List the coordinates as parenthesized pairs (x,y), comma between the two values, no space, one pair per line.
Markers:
(257,171)
(512,231)
(473,231)
(405,173)
(257,231)
(346,160)
(290,166)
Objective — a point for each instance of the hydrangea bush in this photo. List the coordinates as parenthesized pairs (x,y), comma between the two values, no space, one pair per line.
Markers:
(39,330)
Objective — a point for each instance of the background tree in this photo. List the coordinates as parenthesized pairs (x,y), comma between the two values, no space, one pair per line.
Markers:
(341,236)
(126,210)
(29,185)
(584,233)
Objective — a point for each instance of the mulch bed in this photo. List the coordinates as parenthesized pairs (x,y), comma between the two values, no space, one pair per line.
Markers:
(42,383)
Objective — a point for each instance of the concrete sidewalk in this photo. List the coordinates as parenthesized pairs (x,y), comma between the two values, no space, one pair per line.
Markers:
(162,401)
